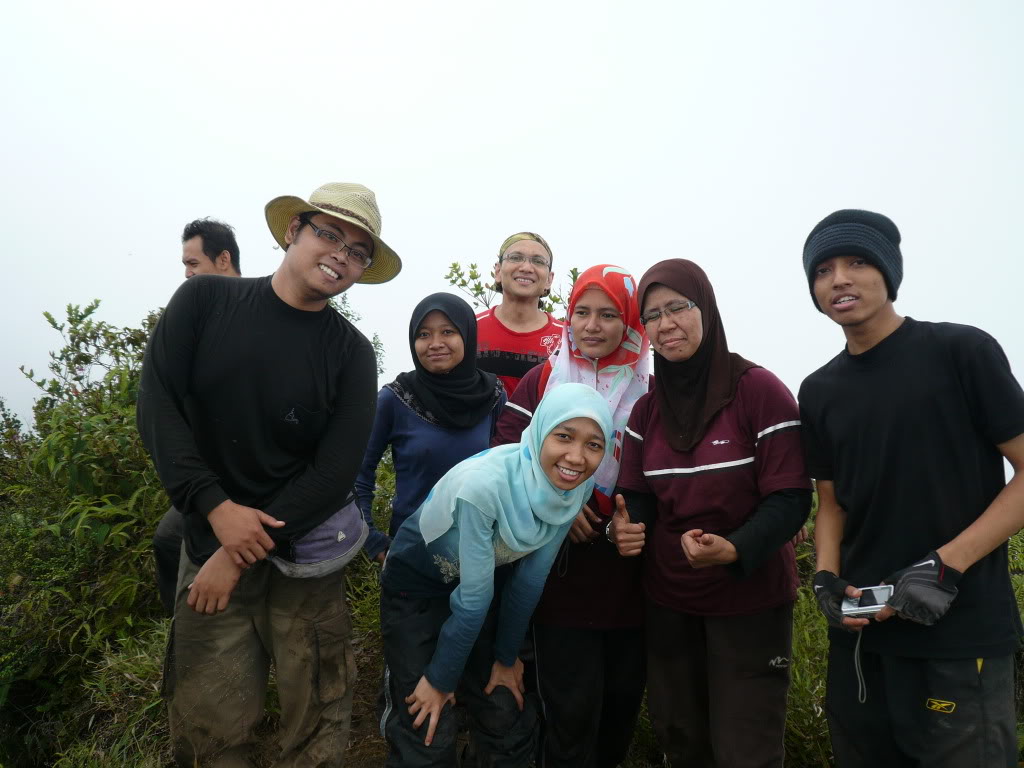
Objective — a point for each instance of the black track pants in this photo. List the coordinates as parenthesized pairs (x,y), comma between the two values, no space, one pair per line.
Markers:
(717,685)
(500,736)
(934,713)
(591,684)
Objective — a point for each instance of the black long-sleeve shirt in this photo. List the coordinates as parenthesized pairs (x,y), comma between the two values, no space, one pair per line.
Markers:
(244,397)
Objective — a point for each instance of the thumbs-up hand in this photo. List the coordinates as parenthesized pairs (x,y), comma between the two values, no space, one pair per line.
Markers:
(704,549)
(628,537)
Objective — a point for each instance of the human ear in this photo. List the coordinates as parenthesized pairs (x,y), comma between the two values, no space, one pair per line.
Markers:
(497,282)
(293,227)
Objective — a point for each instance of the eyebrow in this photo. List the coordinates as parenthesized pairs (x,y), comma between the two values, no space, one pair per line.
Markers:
(441,327)
(526,255)
(671,302)
(573,430)
(338,230)
(609,308)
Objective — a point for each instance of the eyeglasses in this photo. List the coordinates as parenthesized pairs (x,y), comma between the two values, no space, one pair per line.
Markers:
(519,258)
(672,309)
(338,245)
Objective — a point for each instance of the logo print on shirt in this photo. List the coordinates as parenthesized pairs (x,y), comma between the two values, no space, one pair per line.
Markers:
(290,418)
(938,705)
(550,343)
(779,662)
(719,442)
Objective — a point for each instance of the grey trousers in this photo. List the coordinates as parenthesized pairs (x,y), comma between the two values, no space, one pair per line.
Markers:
(215,673)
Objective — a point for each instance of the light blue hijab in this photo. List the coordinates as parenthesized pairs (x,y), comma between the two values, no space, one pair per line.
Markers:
(509,483)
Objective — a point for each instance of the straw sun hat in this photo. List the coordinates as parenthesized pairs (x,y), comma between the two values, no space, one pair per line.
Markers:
(352,203)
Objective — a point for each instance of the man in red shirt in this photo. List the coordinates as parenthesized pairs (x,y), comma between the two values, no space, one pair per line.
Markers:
(517,334)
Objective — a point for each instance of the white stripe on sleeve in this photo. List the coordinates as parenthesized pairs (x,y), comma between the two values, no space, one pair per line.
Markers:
(783,425)
(696,470)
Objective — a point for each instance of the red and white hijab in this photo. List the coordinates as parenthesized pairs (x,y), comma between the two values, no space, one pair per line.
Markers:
(621,378)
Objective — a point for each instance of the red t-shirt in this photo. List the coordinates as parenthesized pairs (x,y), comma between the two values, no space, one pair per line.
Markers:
(751,449)
(509,354)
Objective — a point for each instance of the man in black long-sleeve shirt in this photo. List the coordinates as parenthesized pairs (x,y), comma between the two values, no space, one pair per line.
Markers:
(208,247)
(256,403)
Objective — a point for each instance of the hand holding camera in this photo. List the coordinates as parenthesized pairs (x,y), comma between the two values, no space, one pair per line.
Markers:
(830,591)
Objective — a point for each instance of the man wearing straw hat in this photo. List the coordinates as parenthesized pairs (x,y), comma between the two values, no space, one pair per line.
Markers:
(256,402)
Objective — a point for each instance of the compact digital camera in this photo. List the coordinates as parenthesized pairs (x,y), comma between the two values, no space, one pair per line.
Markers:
(870,602)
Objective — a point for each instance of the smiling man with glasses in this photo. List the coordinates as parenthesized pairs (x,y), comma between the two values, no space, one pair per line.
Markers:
(517,334)
(256,403)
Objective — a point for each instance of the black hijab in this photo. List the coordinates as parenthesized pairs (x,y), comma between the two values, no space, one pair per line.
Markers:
(691,392)
(464,396)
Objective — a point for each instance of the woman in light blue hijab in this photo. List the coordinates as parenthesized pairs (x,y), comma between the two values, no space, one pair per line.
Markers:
(494,522)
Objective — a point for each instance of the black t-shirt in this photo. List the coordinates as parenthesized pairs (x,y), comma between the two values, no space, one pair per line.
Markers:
(907,433)
(244,397)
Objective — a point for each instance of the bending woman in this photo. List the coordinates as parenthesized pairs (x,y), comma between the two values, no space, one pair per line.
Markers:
(588,627)
(712,464)
(433,417)
(493,524)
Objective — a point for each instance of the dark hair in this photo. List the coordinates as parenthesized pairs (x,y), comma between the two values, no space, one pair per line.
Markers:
(216,236)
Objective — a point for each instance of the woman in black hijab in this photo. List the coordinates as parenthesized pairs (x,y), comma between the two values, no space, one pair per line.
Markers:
(432,417)
(714,483)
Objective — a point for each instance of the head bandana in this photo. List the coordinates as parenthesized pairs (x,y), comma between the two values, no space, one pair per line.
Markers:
(621,378)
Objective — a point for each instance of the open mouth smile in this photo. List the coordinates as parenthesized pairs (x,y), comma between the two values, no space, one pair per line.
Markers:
(844,301)
(569,475)
(329,272)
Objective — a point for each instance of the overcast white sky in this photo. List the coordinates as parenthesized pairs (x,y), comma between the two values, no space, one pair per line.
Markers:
(624,133)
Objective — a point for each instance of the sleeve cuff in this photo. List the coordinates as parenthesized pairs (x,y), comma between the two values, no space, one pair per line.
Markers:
(207,499)
(503,656)
(439,681)
(376,542)
(742,541)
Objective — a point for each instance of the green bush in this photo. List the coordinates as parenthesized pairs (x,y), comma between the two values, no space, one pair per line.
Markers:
(78,506)
(79,500)
(81,646)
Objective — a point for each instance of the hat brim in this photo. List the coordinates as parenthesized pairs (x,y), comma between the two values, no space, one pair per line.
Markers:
(281,210)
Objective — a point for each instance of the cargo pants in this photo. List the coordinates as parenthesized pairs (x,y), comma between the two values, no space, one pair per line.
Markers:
(216,669)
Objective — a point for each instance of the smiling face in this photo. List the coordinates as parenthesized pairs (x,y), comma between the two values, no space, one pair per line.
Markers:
(597,326)
(850,290)
(438,343)
(526,280)
(313,267)
(676,337)
(572,452)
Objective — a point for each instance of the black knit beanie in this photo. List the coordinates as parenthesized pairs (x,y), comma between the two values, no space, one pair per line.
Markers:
(864,233)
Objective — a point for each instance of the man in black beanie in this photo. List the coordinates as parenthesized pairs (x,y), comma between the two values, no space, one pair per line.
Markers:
(905,433)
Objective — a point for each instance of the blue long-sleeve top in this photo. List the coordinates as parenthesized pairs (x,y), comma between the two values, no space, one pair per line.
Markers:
(461,563)
(422,452)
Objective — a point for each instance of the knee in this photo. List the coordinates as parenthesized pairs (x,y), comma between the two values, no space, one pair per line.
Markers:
(501,714)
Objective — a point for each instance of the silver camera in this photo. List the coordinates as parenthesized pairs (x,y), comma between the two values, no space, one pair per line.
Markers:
(870,602)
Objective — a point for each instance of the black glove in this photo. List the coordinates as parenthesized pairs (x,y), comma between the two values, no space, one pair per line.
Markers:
(829,591)
(923,591)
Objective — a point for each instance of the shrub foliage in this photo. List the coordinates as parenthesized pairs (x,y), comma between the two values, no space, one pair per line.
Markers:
(80,633)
